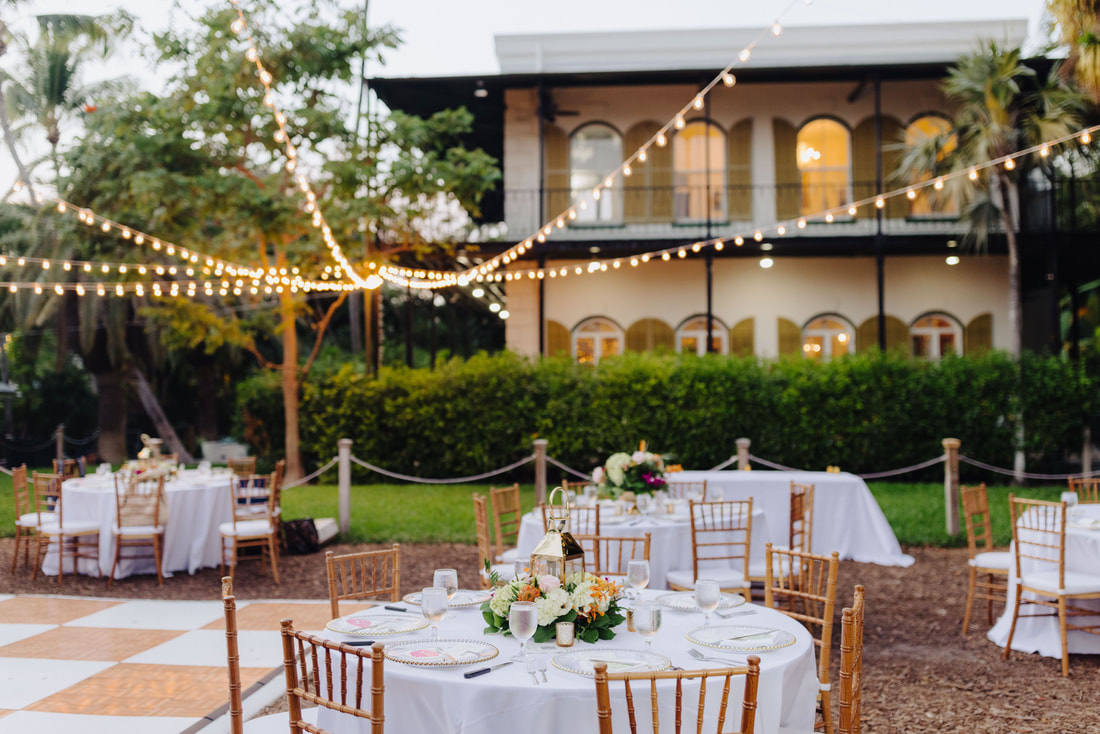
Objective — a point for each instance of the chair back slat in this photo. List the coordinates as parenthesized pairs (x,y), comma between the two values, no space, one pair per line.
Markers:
(1087,489)
(682,490)
(979,530)
(24,497)
(582,520)
(607,555)
(721,533)
(506,516)
(244,466)
(364,575)
(140,501)
(801,525)
(1038,534)
(851,666)
(484,542)
(47,496)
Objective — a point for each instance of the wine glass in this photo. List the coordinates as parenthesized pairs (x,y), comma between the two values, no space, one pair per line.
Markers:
(433,603)
(446,578)
(643,502)
(523,618)
(591,494)
(647,620)
(520,569)
(707,593)
(637,575)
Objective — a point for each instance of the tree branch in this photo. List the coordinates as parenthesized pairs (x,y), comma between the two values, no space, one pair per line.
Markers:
(322,325)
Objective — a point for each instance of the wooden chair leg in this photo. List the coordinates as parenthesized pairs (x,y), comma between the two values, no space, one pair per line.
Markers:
(118,549)
(969,599)
(156,558)
(1062,629)
(37,556)
(1012,628)
(827,711)
(15,556)
(989,601)
(274,558)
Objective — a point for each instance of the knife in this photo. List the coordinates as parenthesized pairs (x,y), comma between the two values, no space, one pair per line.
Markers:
(483,671)
(396,609)
(358,643)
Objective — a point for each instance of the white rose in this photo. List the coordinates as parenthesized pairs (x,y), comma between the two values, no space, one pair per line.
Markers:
(552,605)
(548,583)
(639,457)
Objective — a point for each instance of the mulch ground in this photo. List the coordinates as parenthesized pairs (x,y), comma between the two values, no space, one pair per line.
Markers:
(920,674)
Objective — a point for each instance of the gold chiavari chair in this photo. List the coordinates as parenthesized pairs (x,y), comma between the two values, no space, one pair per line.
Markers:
(506,521)
(363,575)
(1039,547)
(67,468)
(141,515)
(721,677)
(991,565)
(582,520)
(606,555)
(253,524)
(27,517)
(801,523)
(332,676)
(721,535)
(1087,489)
(75,539)
(683,490)
(851,666)
(807,590)
(244,466)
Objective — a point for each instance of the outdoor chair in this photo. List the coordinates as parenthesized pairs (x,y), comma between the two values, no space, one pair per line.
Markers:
(606,555)
(721,535)
(808,588)
(682,490)
(253,524)
(721,680)
(485,554)
(577,488)
(988,577)
(800,525)
(27,517)
(1039,547)
(582,520)
(363,575)
(851,666)
(141,514)
(68,468)
(1087,489)
(75,539)
(506,521)
(244,466)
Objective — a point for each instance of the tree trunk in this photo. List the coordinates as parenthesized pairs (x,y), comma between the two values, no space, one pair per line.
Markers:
(206,417)
(290,384)
(111,388)
(1015,320)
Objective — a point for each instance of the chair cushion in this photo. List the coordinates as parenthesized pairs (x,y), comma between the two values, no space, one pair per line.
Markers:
(999,560)
(727,578)
(506,571)
(509,556)
(1076,583)
(72,527)
(138,530)
(30,520)
(247,529)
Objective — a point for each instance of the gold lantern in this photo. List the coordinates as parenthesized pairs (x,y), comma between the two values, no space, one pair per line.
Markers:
(558,554)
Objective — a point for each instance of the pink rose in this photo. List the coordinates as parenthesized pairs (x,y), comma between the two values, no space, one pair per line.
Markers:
(548,583)
(597,475)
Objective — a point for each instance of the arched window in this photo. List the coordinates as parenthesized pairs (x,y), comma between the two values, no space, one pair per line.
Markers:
(691,337)
(594,339)
(935,335)
(920,131)
(595,150)
(699,165)
(826,337)
(824,155)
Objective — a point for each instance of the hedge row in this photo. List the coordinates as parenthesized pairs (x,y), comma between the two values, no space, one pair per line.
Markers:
(864,413)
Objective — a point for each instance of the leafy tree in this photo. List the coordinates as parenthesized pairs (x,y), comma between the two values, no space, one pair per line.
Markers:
(1001,107)
(1076,24)
(199,165)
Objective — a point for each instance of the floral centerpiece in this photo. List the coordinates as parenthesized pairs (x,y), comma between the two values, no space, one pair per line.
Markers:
(590,602)
(641,471)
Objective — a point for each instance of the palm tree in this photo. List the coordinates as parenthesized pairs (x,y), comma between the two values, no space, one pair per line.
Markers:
(5,120)
(1076,25)
(1001,107)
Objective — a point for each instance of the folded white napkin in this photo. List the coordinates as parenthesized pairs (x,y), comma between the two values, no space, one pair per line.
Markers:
(615,664)
(742,640)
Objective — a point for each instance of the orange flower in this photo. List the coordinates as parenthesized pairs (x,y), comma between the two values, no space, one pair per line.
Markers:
(528,593)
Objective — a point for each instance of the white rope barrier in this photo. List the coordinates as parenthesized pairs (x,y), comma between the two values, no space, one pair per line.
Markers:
(904,469)
(1026,475)
(563,467)
(724,464)
(6,470)
(311,477)
(771,464)
(458,480)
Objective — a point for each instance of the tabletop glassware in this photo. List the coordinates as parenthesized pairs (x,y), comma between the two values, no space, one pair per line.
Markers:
(647,620)
(523,619)
(591,494)
(446,578)
(1070,498)
(520,569)
(643,502)
(707,593)
(637,575)
(433,603)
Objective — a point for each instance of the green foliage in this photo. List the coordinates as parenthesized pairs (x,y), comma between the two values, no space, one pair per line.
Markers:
(865,412)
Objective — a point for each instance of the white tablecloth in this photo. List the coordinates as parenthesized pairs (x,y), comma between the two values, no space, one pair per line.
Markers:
(846,516)
(197,503)
(669,542)
(505,700)
(1041,634)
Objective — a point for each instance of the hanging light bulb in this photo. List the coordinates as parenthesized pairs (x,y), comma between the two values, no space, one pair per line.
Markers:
(697,103)
(729,79)
(777,29)
(973,175)
(718,245)
(251,54)
(880,202)
(911,193)
(679,124)
(237,26)
(627,171)
(802,224)
(938,186)
(1086,138)
(662,141)
(642,156)
(829,217)
(1010,164)
(744,55)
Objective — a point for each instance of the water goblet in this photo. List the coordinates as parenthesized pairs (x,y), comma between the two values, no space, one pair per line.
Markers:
(637,575)
(707,593)
(647,620)
(591,494)
(446,578)
(643,503)
(433,603)
(523,619)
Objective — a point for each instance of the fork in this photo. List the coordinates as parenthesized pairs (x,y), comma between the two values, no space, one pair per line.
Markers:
(735,613)
(700,656)
(531,670)
(542,664)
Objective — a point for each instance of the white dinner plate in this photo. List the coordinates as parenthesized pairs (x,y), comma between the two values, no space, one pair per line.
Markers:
(739,638)
(441,653)
(581,662)
(462,598)
(684,601)
(368,623)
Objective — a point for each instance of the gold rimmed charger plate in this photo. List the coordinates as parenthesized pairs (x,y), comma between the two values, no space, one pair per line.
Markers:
(684,601)
(445,653)
(462,598)
(368,623)
(739,638)
(581,662)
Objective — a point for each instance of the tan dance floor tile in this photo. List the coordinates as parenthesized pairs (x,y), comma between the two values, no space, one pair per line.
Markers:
(49,610)
(311,616)
(86,643)
(147,690)
(4,712)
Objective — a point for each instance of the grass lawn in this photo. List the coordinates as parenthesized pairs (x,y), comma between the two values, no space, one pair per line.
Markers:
(386,513)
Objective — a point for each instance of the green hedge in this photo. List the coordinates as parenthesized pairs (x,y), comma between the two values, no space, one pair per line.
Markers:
(864,413)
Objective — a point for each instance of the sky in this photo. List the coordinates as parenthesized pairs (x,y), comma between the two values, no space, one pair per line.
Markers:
(444,37)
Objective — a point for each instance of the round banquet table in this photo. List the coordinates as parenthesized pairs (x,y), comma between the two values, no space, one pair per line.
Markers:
(440,700)
(1042,634)
(197,503)
(669,542)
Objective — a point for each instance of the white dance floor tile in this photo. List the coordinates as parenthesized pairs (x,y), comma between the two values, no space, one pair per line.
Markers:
(207,647)
(36,722)
(26,680)
(10,633)
(156,615)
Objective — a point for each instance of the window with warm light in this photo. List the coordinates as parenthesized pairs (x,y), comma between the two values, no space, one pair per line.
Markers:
(691,337)
(926,202)
(826,337)
(595,339)
(824,156)
(699,165)
(935,335)
(595,150)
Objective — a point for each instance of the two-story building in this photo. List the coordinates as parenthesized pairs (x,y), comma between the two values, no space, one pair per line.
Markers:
(814,120)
